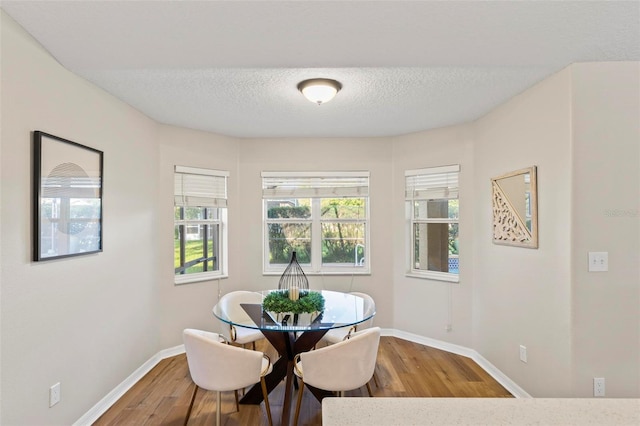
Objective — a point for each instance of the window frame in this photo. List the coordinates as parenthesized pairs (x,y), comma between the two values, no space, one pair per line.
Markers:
(411,220)
(221,219)
(315,267)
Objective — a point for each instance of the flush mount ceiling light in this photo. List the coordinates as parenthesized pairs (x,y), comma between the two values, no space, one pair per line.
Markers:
(319,90)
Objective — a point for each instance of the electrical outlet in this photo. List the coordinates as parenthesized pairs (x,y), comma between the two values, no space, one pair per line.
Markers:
(598,261)
(523,353)
(598,386)
(54,394)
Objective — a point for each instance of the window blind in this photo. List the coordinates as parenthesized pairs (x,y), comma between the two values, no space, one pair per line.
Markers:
(194,187)
(432,183)
(315,184)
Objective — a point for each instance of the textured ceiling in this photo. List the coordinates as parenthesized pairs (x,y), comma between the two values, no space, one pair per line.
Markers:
(232,67)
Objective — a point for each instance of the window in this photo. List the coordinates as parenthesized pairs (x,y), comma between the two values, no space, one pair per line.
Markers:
(200,216)
(322,216)
(432,210)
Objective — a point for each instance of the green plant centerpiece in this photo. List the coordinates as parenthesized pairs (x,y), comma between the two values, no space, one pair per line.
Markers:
(279,302)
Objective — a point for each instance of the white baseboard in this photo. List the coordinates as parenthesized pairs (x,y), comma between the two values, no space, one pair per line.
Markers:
(427,341)
(112,397)
(500,377)
(491,369)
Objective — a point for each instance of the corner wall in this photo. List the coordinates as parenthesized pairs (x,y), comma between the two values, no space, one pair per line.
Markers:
(581,127)
(523,296)
(606,217)
(84,321)
(189,305)
(372,154)
(437,309)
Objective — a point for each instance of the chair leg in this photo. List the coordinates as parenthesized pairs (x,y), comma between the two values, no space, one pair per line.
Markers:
(295,418)
(265,395)
(369,390)
(375,376)
(218,406)
(193,398)
(237,403)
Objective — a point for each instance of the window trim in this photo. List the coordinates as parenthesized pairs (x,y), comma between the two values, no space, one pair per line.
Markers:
(315,221)
(410,220)
(220,204)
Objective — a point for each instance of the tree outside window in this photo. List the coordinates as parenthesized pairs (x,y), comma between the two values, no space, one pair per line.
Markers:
(327,232)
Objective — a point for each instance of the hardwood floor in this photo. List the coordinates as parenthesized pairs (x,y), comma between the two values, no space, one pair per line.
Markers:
(404,369)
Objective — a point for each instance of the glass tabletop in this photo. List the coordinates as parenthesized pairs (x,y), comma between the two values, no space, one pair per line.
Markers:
(340,310)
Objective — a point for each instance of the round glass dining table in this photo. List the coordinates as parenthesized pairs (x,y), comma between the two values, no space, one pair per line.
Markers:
(291,335)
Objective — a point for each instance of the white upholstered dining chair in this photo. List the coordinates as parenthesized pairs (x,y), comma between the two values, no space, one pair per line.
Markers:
(336,335)
(230,306)
(340,367)
(217,366)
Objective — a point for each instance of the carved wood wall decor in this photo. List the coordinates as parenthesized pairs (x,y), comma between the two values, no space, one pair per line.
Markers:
(514,202)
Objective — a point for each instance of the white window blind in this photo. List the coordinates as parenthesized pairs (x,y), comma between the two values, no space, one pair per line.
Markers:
(195,187)
(314,184)
(432,183)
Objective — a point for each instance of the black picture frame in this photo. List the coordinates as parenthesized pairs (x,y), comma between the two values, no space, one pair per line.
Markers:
(67,198)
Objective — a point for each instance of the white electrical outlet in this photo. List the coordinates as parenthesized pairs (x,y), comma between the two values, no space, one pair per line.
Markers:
(54,394)
(523,353)
(598,386)
(598,261)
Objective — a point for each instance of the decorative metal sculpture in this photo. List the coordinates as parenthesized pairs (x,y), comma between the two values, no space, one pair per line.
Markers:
(293,279)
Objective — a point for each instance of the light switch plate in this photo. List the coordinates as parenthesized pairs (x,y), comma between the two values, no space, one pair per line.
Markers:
(523,353)
(54,394)
(598,261)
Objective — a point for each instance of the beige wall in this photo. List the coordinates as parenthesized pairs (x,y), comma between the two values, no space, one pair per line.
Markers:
(90,321)
(581,128)
(189,305)
(523,296)
(319,154)
(85,321)
(605,216)
(427,307)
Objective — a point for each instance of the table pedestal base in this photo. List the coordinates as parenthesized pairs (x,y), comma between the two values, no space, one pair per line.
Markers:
(288,347)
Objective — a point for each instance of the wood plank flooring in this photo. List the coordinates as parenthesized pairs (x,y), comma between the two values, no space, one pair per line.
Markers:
(404,369)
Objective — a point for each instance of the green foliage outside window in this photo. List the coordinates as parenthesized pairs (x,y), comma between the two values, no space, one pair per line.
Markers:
(194,238)
(286,212)
(454,207)
(342,242)
(193,250)
(285,238)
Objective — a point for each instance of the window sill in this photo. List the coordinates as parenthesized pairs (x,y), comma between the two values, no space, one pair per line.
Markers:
(435,276)
(197,278)
(347,273)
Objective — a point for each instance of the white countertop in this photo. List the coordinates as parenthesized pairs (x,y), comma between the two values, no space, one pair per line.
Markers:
(480,411)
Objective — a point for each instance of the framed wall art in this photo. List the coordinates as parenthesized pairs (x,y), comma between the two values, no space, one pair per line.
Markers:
(67,198)
(515,208)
